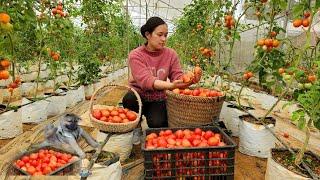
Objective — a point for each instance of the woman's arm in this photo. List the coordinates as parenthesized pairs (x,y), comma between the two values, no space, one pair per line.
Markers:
(163,85)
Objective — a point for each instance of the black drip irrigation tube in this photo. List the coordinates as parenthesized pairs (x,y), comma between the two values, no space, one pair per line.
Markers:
(305,166)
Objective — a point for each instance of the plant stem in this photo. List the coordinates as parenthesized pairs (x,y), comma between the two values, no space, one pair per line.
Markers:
(300,155)
(13,59)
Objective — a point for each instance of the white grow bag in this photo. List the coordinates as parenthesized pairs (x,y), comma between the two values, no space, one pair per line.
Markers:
(266,100)
(35,112)
(275,171)
(5,82)
(73,96)
(230,117)
(255,140)
(29,76)
(10,124)
(57,105)
(28,89)
(88,91)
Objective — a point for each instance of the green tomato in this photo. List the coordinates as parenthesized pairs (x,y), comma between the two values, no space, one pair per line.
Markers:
(6,27)
(307,85)
(225,76)
(300,86)
(287,77)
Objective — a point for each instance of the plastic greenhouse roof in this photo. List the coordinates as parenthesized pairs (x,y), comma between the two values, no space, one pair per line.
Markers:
(168,10)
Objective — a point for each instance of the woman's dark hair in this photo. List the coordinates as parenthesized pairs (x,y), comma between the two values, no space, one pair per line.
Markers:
(150,25)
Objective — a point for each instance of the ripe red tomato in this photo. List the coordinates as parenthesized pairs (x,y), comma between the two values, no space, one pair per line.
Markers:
(96,113)
(213,93)
(186,143)
(131,115)
(122,116)
(179,134)
(103,118)
(167,132)
(31,170)
(196,142)
(196,92)
(25,159)
(47,170)
(105,112)
(116,119)
(34,163)
(20,163)
(171,141)
(176,91)
(121,110)
(198,131)
(114,113)
(208,134)
(162,143)
(33,156)
(213,141)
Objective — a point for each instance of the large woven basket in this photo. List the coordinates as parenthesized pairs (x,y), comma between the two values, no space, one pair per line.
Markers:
(99,100)
(184,110)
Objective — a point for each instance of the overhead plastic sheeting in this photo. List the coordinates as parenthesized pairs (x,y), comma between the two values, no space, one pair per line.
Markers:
(168,10)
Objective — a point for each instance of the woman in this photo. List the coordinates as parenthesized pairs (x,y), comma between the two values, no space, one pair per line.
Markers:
(151,65)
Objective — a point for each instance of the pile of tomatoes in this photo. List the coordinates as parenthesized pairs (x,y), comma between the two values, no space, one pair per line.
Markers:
(114,115)
(44,162)
(183,139)
(186,163)
(203,92)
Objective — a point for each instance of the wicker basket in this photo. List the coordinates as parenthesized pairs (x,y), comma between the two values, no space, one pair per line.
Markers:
(108,126)
(184,110)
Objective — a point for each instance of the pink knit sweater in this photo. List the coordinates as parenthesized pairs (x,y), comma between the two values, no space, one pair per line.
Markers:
(148,66)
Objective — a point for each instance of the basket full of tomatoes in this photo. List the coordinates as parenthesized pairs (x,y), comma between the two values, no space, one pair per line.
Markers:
(111,118)
(47,161)
(193,107)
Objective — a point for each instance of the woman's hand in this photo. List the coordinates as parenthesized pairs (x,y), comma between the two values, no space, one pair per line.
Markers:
(180,84)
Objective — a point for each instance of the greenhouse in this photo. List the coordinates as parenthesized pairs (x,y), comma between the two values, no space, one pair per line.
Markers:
(160,89)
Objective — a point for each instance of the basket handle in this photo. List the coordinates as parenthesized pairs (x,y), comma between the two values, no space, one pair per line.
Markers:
(115,85)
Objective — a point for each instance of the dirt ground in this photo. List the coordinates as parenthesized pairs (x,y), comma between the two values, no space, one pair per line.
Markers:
(246,167)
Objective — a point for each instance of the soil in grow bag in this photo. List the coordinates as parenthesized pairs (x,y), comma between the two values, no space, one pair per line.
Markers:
(286,159)
(251,119)
(2,107)
(244,107)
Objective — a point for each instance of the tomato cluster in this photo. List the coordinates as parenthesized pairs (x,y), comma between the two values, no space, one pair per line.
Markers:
(44,162)
(5,24)
(229,21)
(14,84)
(305,22)
(268,44)
(58,11)
(114,115)
(191,76)
(55,55)
(4,65)
(183,139)
(207,52)
(186,163)
(202,92)
(247,75)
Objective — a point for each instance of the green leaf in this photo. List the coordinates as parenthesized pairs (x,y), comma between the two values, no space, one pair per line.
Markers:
(317,5)
(301,122)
